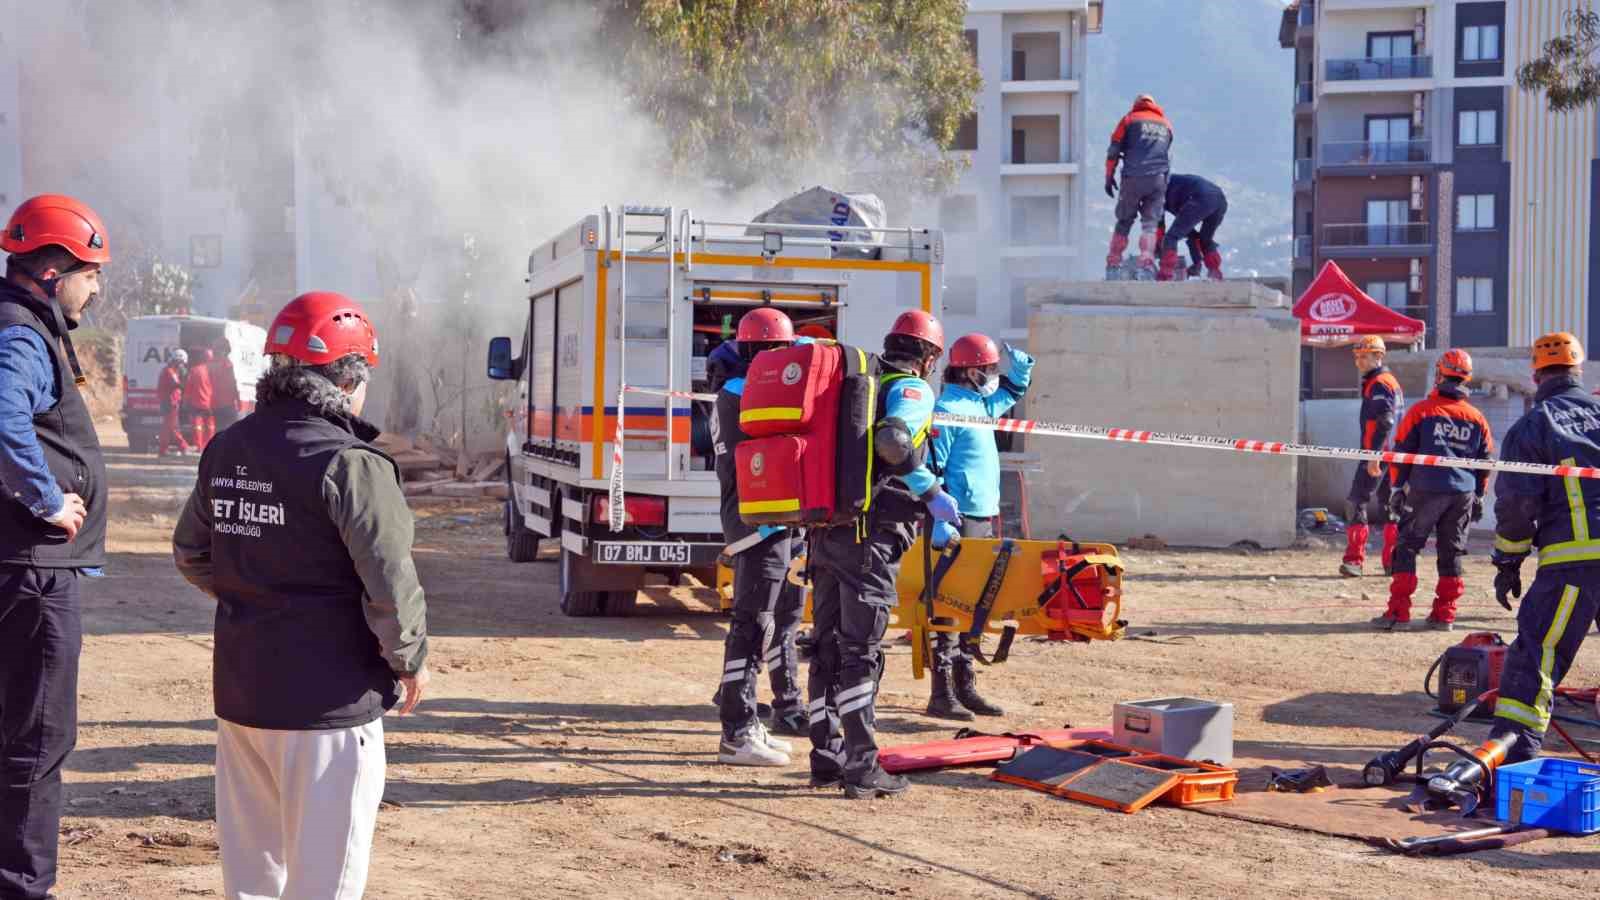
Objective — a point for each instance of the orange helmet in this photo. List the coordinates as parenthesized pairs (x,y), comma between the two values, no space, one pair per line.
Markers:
(1370,344)
(1455,364)
(1557,349)
(54,220)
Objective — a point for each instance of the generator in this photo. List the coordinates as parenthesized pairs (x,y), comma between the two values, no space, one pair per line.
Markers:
(1466,671)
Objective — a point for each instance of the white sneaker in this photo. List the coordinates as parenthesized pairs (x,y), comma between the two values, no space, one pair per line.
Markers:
(760,732)
(751,752)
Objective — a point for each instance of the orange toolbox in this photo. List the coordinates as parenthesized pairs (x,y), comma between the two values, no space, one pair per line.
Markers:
(1197,782)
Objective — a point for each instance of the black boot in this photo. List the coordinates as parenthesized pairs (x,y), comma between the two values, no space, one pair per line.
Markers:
(877,783)
(966,679)
(942,704)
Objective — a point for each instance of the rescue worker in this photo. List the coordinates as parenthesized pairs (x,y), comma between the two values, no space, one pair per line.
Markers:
(969,462)
(298,527)
(169,388)
(52,521)
(1381,403)
(224,387)
(197,399)
(1198,207)
(1435,500)
(854,567)
(1559,516)
(1141,142)
(766,607)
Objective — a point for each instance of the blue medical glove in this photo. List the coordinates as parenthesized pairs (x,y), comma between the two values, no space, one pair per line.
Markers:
(944,508)
(943,534)
(767,531)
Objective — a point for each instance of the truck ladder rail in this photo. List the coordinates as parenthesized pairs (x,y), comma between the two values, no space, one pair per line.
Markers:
(664,240)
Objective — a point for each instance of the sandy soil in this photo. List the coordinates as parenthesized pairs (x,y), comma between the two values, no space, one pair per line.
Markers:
(564,757)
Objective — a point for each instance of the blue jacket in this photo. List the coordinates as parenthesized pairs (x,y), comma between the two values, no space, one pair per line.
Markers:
(967,457)
(1561,516)
(1444,424)
(910,399)
(27,389)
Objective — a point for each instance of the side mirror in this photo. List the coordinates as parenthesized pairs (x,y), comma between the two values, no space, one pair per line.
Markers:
(501,366)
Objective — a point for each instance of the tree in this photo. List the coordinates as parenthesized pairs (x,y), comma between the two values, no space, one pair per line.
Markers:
(1566,70)
(754,93)
(138,282)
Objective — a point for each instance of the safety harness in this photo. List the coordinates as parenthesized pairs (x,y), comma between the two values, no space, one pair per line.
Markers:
(970,640)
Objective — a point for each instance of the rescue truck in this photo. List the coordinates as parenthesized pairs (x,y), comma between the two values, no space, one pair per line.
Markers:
(623,309)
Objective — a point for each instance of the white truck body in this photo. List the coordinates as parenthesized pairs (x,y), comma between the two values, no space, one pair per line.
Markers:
(640,297)
(150,343)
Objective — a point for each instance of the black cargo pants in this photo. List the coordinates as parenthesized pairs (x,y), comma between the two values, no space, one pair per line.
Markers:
(758,582)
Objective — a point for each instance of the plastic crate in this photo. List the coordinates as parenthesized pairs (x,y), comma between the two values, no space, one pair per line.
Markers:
(1560,794)
(1210,784)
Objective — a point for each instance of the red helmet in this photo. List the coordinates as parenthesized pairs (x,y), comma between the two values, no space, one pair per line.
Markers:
(765,324)
(321,327)
(54,220)
(918,324)
(1455,364)
(974,350)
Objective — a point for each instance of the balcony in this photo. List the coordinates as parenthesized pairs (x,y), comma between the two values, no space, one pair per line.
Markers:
(1377,153)
(1303,92)
(1379,68)
(1302,174)
(1360,239)
(1302,251)
(1308,14)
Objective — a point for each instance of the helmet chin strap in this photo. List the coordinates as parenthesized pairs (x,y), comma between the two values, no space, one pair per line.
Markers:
(48,285)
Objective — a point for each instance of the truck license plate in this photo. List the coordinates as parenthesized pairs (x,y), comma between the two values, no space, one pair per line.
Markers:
(641,552)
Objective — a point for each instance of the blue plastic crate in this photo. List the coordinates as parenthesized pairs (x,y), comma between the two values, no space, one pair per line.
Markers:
(1562,794)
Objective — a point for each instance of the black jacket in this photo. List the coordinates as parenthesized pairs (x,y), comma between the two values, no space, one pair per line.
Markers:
(71,450)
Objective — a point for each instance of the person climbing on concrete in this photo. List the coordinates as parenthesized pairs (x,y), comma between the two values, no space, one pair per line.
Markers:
(169,390)
(1381,404)
(1434,500)
(766,607)
(854,566)
(969,462)
(1559,516)
(1141,142)
(1198,207)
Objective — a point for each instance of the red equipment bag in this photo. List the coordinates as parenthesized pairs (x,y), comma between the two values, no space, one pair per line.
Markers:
(790,411)
(981,748)
(791,391)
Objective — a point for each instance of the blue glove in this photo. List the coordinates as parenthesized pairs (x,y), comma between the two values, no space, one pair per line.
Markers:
(1021,364)
(767,531)
(944,508)
(943,534)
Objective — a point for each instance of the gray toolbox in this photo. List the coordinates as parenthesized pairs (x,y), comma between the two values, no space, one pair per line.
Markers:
(1185,727)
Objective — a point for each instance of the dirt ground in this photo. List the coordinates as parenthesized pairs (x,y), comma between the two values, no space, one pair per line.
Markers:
(558,757)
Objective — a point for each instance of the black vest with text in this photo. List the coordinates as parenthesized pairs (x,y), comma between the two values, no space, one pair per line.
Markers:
(71,451)
(293,650)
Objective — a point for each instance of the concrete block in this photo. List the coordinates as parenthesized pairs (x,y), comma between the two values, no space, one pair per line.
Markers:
(1240,295)
(1180,369)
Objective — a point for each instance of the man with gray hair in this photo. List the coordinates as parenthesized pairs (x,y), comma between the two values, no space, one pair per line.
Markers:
(299,528)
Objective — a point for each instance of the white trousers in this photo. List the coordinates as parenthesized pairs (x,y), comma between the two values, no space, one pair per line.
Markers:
(296,810)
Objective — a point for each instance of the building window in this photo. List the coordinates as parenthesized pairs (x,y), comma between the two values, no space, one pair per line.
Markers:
(205,251)
(1035,221)
(959,214)
(971,37)
(961,294)
(1478,127)
(1480,43)
(1390,293)
(1390,45)
(1474,296)
(1475,212)
(967,134)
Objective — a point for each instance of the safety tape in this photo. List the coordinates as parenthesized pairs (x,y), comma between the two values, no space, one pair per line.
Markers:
(1208,442)
(617,512)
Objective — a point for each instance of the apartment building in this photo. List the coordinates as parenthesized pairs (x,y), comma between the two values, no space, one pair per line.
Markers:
(1436,183)
(1017,214)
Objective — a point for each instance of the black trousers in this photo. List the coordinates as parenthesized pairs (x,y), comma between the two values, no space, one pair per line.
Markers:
(1448,514)
(853,591)
(946,644)
(1201,216)
(758,582)
(1553,619)
(41,635)
(1362,488)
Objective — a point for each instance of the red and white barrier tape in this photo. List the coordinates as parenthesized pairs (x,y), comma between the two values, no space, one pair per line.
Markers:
(1208,442)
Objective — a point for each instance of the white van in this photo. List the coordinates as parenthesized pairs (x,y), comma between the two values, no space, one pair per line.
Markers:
(151,341)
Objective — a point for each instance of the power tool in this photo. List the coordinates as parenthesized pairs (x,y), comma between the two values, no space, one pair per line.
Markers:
(1386,768)
(1466,671)
(1466,783)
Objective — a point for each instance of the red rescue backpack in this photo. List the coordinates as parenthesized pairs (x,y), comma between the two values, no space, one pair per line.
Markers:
(807,412)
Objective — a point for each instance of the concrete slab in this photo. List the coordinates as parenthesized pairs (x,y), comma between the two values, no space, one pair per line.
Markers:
(1183,369)
(1159,295)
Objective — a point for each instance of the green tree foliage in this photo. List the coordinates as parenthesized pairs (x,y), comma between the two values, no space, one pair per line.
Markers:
(138,282)
(758,91)
(1566,72)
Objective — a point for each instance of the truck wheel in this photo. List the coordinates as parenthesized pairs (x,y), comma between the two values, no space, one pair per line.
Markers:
(576,603)
(522,545)
(621,603)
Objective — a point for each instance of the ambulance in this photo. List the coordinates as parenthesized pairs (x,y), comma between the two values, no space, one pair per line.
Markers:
(609,453)
(150,343)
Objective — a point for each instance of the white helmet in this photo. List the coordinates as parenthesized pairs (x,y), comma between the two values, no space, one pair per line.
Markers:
(180,356)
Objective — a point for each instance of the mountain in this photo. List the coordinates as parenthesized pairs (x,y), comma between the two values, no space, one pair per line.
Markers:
(1228,88)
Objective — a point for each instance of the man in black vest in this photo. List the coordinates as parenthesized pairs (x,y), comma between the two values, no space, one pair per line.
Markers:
(52,522)
(299,528)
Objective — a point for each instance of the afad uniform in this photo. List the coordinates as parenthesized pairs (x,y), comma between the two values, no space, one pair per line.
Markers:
(1559,517)
(1440,499)
(1142,144)
(1381,403)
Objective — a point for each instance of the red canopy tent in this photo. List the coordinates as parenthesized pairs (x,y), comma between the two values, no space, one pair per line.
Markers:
(1333,312)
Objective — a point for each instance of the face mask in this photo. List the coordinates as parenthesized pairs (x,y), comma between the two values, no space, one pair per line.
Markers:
(990,385)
